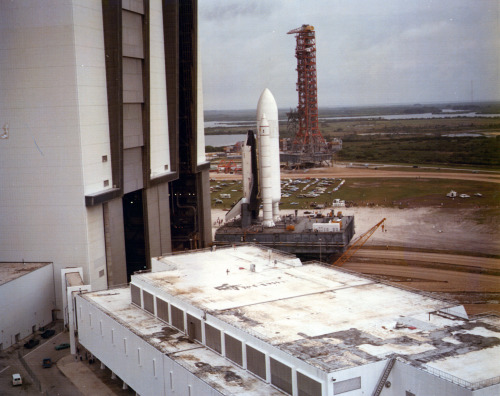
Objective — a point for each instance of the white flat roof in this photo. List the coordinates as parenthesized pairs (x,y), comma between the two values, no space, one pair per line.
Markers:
(11,271)
(330,318)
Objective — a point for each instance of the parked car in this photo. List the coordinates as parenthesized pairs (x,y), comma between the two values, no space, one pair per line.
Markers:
(48,333)
(62,346)
(31,343)
(16,379)
(47,363)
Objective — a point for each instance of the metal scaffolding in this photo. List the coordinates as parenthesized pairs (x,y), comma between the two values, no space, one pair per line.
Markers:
(308,139)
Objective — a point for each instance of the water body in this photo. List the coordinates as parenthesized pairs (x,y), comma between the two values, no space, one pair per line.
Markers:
(413,116)
(445,114)
(224,140)
(228,140)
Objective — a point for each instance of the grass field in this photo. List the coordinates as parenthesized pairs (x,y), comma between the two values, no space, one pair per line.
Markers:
(394,192)
(476,151)
(439,141)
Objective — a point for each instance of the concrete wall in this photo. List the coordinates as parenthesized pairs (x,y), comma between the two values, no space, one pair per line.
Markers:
(53,98)
(25,302)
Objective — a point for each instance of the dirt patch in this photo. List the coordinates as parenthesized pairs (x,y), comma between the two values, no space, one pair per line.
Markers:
(224,371)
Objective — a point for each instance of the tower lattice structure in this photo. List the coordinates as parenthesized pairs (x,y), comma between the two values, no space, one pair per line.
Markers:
(308,138)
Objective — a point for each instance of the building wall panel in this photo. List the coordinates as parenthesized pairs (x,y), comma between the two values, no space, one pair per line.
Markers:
(281,376)
(256,361)
(162,309)
(116,261)
(26,302)
(194,328)
(133,5)
(213,338)
(306,386)
(233,349)
(200,124)
(177,317)
(132,41)
(53,95)
(125,353)
(148,302)
(90,71)
(132,170)
(132,125)
(97,248)
(159,133)
(135,363)
(405,378)
(132,81)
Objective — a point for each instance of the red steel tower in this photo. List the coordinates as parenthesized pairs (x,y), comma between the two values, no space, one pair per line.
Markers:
(308,138)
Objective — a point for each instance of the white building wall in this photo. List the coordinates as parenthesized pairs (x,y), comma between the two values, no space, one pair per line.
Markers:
(404,377)
(52,97)
(92,96)
(25,302)
(369,373)
(179,381)
(488,391)
(96,273)
(160,152)
(144,368)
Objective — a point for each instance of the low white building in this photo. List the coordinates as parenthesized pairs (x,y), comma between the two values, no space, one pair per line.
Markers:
(27,298)
(248,321)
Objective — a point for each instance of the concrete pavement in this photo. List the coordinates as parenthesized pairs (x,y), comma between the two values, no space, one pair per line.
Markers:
(67,376)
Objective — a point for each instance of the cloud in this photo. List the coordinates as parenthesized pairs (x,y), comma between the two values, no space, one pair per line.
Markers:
(367,52)
(222,11)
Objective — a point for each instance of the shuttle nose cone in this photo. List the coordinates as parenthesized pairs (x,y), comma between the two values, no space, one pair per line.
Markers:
(267,105)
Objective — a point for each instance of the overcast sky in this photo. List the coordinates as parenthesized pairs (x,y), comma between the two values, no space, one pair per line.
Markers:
(368,51)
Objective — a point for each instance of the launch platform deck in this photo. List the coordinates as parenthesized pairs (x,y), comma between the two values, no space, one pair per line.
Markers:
(292,235)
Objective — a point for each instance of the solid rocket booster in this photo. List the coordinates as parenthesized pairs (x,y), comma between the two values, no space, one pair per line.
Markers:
(267,105)
(266,172)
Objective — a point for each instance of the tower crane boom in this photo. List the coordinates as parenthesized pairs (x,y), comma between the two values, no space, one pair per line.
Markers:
(357,244)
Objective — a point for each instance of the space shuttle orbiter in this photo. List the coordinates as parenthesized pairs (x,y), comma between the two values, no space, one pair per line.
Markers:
(261,167)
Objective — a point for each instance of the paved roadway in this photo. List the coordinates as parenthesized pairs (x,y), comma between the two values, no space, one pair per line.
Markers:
(67,376)
(51,379)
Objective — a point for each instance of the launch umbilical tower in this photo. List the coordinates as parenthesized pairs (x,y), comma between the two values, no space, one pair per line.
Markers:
(308,139)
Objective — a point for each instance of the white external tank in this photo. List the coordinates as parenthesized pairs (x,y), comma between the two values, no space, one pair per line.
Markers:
(267,105)
(266,179)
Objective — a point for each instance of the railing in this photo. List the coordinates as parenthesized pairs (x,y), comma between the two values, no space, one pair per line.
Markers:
(384,377)
(454,379)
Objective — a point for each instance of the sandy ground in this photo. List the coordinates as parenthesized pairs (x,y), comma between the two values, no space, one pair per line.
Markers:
(427,228)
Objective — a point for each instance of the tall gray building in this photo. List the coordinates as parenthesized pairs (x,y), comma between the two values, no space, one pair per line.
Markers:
(102,152)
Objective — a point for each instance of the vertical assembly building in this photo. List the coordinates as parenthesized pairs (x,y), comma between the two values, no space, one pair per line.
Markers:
(102,161)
